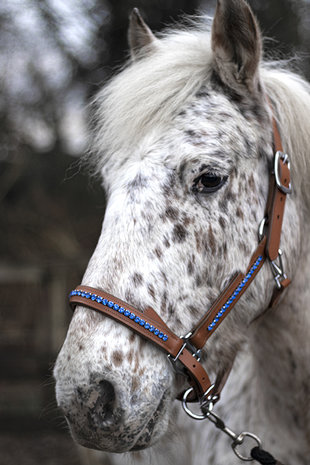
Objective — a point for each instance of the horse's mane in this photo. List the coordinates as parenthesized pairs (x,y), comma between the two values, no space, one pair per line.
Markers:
(149,92)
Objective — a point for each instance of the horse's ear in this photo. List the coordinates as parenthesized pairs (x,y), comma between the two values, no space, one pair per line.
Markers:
(139,34)
(236,45)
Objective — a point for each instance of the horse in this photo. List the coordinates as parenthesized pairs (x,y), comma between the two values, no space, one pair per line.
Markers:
(183,142)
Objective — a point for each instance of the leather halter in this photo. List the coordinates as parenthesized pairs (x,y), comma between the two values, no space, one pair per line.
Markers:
(184,351)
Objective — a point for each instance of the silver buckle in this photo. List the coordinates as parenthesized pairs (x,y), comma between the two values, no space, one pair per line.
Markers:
(283,156)
(278,269)
(196,353)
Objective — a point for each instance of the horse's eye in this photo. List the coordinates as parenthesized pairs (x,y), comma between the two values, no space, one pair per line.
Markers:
(208,183)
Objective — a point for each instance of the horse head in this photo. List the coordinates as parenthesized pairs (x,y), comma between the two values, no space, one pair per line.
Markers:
(183,143)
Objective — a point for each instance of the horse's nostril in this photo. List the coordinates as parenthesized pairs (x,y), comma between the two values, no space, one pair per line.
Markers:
(107,392)
(98,401)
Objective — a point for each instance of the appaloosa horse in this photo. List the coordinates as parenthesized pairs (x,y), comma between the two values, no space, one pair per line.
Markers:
(184,143)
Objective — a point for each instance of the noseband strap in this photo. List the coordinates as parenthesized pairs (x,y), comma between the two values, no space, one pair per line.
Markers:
(184,352)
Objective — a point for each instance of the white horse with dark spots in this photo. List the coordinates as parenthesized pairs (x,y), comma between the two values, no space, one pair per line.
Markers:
(184,144)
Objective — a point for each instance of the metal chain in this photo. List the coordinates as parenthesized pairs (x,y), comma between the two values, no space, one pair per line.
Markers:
(206,406)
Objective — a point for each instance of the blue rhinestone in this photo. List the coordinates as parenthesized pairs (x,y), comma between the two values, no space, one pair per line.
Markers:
(127,312)
(215,320)
(121,310)
(132,316)
(141,322)
(161,335)
(99,300)
(87,295)
(78,292)
(151,328)
(82,294)
(147,325)
(116,307)
(137,319)
(93,297)
(210,328)
(110,304)
(156,332)
(104,302)
(165,337)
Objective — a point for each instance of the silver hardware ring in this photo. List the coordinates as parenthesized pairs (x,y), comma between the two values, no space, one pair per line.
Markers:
(194,415)
(239,440)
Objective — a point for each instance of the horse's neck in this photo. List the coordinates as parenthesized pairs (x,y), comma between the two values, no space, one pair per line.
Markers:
(281,353)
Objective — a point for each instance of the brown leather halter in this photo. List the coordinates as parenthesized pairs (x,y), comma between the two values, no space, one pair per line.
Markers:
(185,350)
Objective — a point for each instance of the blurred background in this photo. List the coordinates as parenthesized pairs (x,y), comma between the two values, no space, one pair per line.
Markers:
(54,55)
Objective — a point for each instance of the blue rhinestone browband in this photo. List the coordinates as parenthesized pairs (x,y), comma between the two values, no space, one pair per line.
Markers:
(234,295)
(121,310)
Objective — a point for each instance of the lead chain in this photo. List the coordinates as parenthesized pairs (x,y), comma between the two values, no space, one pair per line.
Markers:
(206,407)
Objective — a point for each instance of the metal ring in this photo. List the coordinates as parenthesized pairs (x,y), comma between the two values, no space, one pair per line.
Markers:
(261,228)
(283,156)
(194,415)
(239,440)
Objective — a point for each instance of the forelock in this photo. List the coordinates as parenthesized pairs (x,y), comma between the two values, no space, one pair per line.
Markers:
(149,92)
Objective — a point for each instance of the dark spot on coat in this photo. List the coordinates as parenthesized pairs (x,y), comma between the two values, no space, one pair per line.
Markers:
(222,222)
(224,245)
(190,268)
(135,383)
(179,233)
(158,252)
(172,213)
(171,309)
(137,279)
(252,183)
(164,300)
(223,205)
(239,213)
(186,221)
(166,243)
(151,290)
(211,240)
(198,241)
(190,133)
(198,280)
(117,358)
(129,296)
(81,347)
(194,311)
(181,170)
(230,196)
